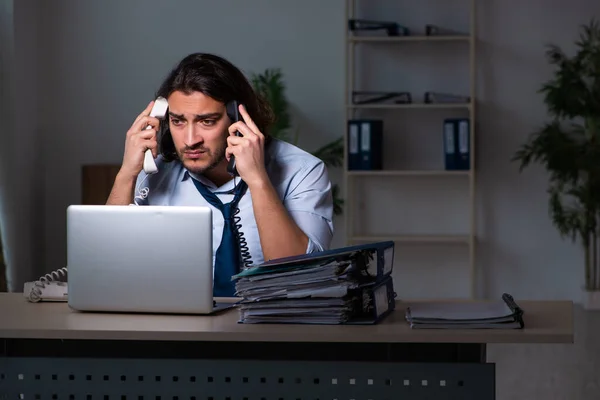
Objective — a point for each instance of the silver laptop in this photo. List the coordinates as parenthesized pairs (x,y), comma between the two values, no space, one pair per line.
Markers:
(149,259)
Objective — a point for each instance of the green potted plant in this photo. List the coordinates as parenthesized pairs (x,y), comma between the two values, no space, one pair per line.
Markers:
(568,146)
(271,86)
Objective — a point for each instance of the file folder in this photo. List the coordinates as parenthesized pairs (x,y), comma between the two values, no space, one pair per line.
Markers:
(391,28)
(365,144)
(353,145)
(377,259)
(464,152)
(457,153)
(349,285)
(371,144)
(379,97)
(377,302)
(450,145)
(365,305)
(500,314)
(447,98)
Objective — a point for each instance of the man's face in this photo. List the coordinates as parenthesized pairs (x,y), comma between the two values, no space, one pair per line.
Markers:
(198,125)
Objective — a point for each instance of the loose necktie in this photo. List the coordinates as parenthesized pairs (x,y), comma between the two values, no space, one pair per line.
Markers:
(227,257)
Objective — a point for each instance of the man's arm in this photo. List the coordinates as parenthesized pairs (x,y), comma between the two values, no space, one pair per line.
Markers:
(279,234)
(122,190)
(137,141)
(302,222)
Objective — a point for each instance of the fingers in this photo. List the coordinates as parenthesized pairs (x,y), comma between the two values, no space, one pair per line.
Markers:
(147,134)
(242,127)
(241,142)
(234,145)
(249,121)
(144,141)
(145,112)
(237,141)
(228,153)
(234,150)
(145,122)
(143,119)
(139,139)
(248,138)
(247,127)
(152,145)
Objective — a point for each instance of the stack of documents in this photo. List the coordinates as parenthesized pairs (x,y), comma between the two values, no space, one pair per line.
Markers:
(502,314)
(348,285)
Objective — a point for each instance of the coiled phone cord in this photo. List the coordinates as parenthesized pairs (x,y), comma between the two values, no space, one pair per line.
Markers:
(244,250)
(142,192)
(36,291)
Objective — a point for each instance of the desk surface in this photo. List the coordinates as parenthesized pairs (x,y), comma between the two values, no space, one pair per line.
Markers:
(545,321)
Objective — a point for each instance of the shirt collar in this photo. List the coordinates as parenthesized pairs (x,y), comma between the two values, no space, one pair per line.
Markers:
(227,187)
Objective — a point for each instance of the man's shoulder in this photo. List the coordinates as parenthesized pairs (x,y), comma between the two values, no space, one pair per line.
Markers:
(283,151)
(292,168)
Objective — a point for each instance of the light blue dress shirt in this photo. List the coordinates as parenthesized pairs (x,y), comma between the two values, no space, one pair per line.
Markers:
(300,179)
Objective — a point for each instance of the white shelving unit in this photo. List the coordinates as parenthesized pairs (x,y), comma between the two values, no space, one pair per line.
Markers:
(352,184)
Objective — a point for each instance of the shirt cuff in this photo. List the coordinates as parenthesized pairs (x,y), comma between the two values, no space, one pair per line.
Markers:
(313,246)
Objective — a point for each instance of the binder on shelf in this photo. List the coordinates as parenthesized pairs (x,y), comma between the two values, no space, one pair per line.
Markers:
(436,30)
(390,28)
(371,144)
(367,134)
(464,154)
(353,145)
(445,98)
(374,97)
(457,153)
(450,146)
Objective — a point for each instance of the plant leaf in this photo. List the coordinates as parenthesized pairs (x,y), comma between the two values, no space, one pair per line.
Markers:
(269,84)
(271,87)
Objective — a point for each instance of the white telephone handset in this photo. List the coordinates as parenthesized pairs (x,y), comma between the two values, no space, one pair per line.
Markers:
(159,110)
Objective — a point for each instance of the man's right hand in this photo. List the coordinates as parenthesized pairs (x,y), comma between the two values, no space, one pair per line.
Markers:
(138,140)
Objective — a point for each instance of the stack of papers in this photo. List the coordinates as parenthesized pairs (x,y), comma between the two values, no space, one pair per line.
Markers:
(502,314)
(314,293)
(348,285)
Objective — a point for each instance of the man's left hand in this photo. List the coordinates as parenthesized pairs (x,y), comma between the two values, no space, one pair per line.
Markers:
(247,149)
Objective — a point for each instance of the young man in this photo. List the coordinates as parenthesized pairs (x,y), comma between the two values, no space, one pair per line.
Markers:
(281,201)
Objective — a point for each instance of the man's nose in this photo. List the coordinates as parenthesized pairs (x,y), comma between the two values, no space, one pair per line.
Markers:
(192,136)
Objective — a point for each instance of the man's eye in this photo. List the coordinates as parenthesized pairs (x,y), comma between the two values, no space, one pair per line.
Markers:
(208,122)
(175,121)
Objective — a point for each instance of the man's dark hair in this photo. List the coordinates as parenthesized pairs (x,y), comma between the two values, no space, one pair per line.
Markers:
(215,77)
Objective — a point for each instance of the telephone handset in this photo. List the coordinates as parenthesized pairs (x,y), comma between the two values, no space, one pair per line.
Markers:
(233,112)
(159,110)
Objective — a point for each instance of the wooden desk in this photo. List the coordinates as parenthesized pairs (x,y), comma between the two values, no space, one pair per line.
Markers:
(59,351)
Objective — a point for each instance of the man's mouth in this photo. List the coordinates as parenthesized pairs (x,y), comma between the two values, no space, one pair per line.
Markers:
(194,153)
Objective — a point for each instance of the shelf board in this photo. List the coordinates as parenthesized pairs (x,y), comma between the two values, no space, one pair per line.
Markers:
(411,38)
(461,239)
(407,173)
(413,106)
